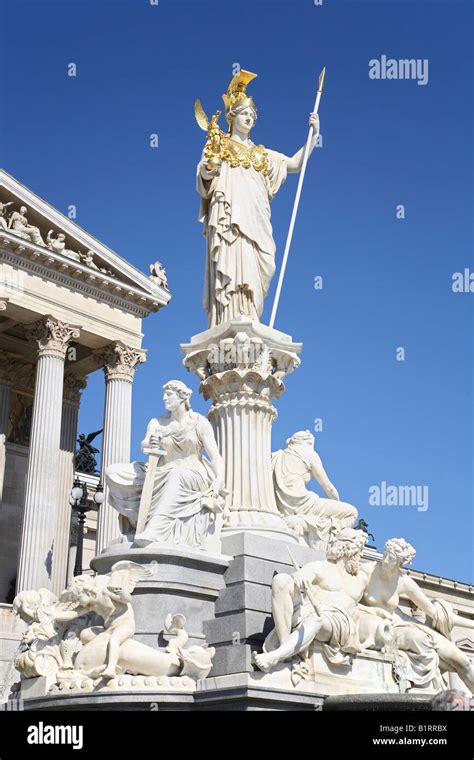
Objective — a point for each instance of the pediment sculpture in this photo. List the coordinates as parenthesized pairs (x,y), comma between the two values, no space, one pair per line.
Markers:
(15,221)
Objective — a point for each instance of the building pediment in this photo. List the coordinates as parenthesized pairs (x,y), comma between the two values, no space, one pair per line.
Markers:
(33,233)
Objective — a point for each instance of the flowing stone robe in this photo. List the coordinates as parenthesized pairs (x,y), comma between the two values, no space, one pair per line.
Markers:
(344,638)
(183,477)
(291,472)
(416,643)
(240,250)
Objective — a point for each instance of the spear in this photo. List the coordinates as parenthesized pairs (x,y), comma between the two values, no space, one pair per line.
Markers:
(297,200)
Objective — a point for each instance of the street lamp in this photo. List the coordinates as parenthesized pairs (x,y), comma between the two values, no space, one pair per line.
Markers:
(78,500)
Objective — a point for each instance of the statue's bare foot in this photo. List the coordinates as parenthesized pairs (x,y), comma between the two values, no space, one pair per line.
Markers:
(265,661)
(96,672)
(109,673)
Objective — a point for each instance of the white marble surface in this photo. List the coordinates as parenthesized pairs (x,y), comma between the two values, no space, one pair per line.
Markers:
(241,365)
(35,565)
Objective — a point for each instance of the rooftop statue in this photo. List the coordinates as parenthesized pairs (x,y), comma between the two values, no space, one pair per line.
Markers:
(158,274)
(58,245)
(3,215)
(19,225)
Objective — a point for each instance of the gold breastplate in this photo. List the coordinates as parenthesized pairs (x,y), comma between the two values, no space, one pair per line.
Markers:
(237,154)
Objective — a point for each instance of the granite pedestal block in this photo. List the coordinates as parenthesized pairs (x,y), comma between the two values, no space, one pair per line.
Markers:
(243,610)
(227,602)
(183,581)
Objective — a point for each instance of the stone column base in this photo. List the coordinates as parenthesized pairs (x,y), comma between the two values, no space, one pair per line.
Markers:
(265,524)
(243,612)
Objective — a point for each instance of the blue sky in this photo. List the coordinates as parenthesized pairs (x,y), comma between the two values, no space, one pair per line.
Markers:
(387,282)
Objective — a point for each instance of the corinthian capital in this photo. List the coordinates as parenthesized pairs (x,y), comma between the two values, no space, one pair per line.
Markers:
(120,361)
(52,336)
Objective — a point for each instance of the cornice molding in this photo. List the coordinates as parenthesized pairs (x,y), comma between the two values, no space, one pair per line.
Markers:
(34,266)
(53,218)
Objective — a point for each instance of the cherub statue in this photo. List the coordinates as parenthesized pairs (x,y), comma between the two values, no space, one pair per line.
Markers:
(89,631)
(120,624)
(110,648)
(158,274)
(110,598)
(58,245)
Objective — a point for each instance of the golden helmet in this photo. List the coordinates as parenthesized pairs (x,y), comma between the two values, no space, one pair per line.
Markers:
(236,92)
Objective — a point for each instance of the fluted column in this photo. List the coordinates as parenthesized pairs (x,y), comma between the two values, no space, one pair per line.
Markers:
(5,394)
(39,521)
(241,365)
(119,362)
(7,367)
(6,380)
(14,373)
(242,414)
(73,386)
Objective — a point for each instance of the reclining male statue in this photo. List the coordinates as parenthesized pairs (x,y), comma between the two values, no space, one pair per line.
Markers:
(318,602)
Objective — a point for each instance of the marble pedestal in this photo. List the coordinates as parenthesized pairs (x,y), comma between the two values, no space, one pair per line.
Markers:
(241,365)
(419,702)
(243,610)
(10,638)
(183,581)
(227,602)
